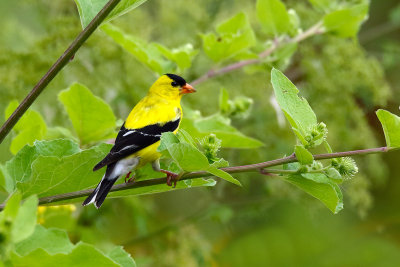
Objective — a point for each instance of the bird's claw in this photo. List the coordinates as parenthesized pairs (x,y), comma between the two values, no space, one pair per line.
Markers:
(130,180)
(171,177)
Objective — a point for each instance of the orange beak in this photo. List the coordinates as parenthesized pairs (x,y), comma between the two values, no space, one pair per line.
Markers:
(187,89)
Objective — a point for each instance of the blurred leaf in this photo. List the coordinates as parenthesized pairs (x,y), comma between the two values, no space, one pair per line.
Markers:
(92,118)
(120,256)
(84,254)
(395,15)
(234,36)
(391,127)
(88,9)
(147,53)
(52,241)
(29,128)
(273,17)
(224,101)
(324,5)
(320,187)
(182,56)
(303,155)
(25,221)
(346,22)
(296,109)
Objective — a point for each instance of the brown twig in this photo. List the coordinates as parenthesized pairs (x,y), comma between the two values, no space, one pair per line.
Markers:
(56,68)
(192,175)
(313,30)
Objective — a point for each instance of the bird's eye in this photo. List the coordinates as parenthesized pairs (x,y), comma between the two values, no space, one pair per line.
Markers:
(174,84)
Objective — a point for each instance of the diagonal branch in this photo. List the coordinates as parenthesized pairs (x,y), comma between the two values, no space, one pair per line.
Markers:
(234,169)
(313,30)
(56,68)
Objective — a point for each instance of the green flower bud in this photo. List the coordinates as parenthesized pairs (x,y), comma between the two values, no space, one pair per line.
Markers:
(346,166)
(211,145)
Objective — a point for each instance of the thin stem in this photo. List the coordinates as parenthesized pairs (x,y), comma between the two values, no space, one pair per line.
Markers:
(191,175)
(56,68)
(313,30)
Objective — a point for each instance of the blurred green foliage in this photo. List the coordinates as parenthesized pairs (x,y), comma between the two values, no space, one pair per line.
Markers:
(344,80)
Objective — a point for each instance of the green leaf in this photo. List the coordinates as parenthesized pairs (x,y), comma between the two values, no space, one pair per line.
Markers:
(147,53)
(220,126)
(234,36)
(303,155)
(25,221)
(273,16)
(88,9)
(321,187)
(391,127)
(92,118)
(190,159)
(334,174)
(29,128)
(51,175)
(84,254)
(224,175)
(224,101)
(346,22)
(181,56)
(18,169)
(52,241)
(120,256)
(296,109)
(324,5)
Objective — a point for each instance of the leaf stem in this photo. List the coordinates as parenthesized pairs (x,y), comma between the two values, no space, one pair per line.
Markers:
(56,68)
(191,175)
(313,30)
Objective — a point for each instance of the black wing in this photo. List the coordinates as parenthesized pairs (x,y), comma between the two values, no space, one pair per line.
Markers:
(129,141)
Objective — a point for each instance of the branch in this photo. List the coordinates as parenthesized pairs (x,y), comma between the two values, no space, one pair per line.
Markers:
(56,68)
(313,30)
(234,169)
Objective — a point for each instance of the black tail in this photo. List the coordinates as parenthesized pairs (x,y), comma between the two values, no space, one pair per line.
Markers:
(98,196)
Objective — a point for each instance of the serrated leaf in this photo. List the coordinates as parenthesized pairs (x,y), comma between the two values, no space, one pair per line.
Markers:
(296,109)
(273,16)
(320,187)
(29,128)
(181,56)
(147,53)
(88,9)
(92,118)
(303,155)
(234,36)
(25,221)
(324,5)
(19,167)
(391,127)
(346,22)
(53,175)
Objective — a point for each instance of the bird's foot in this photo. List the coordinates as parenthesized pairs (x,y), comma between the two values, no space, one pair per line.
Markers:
(171,177)
(131,179)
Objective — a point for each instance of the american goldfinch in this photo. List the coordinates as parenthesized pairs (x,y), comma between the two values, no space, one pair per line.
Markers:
(139,137)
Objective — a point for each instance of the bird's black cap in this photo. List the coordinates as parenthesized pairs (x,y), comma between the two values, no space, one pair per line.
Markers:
(178,79)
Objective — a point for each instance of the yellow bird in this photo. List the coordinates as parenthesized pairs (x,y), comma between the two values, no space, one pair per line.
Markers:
(139,137)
